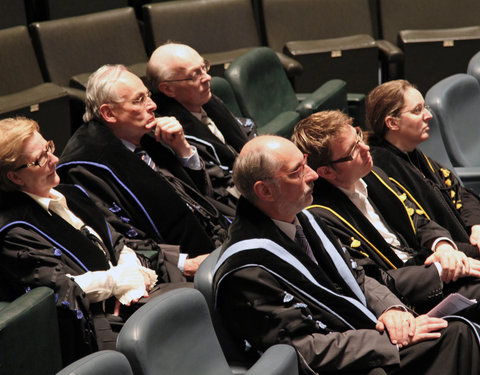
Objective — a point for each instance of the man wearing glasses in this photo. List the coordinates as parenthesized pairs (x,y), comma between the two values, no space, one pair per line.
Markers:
(282,277)
(178,77)
(385,230)
(141,171)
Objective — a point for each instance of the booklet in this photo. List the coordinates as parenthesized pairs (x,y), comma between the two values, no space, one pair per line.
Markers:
(452,304)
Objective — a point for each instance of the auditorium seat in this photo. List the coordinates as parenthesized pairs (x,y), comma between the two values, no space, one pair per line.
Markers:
(455,101)
(12,13)
(23,91)
(43,10)
(104,362)
(330,38)
(29,338)
(220,30)
(71,48)
(265,94)
(437,38)
(173,335)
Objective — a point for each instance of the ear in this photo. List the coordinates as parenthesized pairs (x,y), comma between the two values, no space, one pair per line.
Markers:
(107,113)
(264,191)
(167,89)
(391,123)
(326,172)
(15,178)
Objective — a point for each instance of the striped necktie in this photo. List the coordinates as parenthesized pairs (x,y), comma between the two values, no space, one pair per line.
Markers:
(302,241)
(212,127)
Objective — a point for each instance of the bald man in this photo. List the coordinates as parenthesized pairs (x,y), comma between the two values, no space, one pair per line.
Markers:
(283,278)
(178,77)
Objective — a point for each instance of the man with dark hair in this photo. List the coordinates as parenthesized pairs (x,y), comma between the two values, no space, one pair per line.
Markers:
(385,230)
(282,278)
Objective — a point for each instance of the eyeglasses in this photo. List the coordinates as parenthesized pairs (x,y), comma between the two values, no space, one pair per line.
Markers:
(141,100)
(418,110)
(353,152)
(42,159)
(297,173)
(196,75)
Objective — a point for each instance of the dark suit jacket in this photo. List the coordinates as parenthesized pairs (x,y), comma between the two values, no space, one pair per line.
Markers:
(269,292)
(435,187)
(136,200)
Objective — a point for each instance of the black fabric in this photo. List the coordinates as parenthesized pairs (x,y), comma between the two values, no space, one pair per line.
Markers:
(140,204)
(435,187)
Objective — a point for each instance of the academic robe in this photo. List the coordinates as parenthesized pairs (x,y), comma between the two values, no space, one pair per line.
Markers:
(138,201)
(436,188)
(269,291)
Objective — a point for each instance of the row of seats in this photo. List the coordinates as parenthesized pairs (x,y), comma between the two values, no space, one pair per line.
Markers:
(454,130)
(153,340)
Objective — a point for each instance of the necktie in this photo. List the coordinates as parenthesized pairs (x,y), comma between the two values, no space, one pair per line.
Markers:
(140,151)
(301,240)
(212,127)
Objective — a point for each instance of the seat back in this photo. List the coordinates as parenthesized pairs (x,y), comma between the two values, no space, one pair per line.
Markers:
(173,334)
(12,13)
(397,15)
(19,68)
(455,101)
(473,67)
(71,46)
(341,45)
(204,283)
(261,86)
(105,362)
(29,338)
(289,20)
(218,25)
(220,30)
(221,88)
(55,9)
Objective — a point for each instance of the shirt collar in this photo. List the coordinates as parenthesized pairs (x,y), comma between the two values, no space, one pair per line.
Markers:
(360,190)
(288,228)
(45,203)
(128,145)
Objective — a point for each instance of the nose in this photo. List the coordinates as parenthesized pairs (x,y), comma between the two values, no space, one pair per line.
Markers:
(150,105)
(310,174)
(52,159)
(428,115)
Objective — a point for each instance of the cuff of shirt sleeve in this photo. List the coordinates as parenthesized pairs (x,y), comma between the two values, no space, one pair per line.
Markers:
(434,245)
(439,268)
(181,261)
(192,161)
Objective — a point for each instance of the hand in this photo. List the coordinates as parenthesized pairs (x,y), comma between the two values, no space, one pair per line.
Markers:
(191,265)
(170,131)
(454,263)
(399,324)
(475,236)
(427,328)
(474,267)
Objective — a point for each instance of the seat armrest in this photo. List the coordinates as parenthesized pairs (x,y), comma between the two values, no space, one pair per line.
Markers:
(334,45)
(292,67)
(332,94)
(281,124)
(279,359)
(389,51)
(448,36)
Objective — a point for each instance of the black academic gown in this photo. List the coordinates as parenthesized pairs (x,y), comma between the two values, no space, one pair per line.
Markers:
(435,188)
(269,291)
(137,201)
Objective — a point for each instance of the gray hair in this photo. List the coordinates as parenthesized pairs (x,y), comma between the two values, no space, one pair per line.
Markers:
(254,166)
(100,90)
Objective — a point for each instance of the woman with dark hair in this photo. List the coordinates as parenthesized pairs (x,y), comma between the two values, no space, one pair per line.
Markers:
(398,117)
